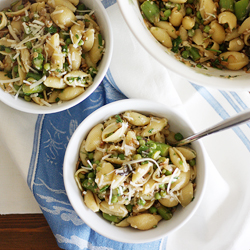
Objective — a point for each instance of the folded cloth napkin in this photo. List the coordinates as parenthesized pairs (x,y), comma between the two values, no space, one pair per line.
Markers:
(36,145)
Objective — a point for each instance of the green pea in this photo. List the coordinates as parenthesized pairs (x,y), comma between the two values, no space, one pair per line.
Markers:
(68,41)
(168,172)
(46,66)
(91,156)
(137,157)
(114,199)
(206,29)
(189,11)
(178,136)
(161,185)
(192,162)
(167,13)
(121,156)
(138,138)
(91,175)
(198,15)
(81,7)
(142,143)
(163,193)
(27,98)
(178,6)
(152,210)
(141,202)
(8,50)
(191,33)
(157,196)
(81,176)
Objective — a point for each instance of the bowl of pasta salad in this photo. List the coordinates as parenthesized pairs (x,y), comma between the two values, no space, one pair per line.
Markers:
(205,41)
(124,178)
(53,53)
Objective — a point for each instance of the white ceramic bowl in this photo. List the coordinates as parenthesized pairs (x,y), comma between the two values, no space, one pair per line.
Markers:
(210,78)
(95,220)
(106,30)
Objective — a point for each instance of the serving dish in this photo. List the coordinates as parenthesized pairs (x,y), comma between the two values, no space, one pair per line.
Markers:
(94,220)
(106,31)
(210,77)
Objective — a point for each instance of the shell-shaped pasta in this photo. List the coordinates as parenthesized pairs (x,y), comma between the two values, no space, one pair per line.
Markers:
(144,221)
(208,10)
(245,26)
(88,60)
(176,17)
(54,82)
(193,173)
(162,36)
(183,33)
(159,137)
(91,201)
(89,40)
(63,17)
(96,51)
(123,223)
(94,138)
(98,155)
(57,59)
(114,132)
(231,35)
(229,18)
(142,174)
(78,78)
(19,12)
(90,23)
(218,34)
(25,59)
(118,180)
(139,209)
(3,76)
(186,194)
(168,27)
(105,175)
(75,56)
(182,181)
(76,32)
(234,60)
(3,20)
(136,119)
(187,152)
(52,43)
(35,7)
(70,93)
(54,96)
(178,159)
(21,73)
(115,160)
(155,126)
(236,44)
(188,22)
(113,209)
(199,38)
(169,201)
(17,26)
(4,41)
(65,3)
(150,186)
(83,153)
(7,63)
(247,39)
(37,100)
(161,178)
(75,2)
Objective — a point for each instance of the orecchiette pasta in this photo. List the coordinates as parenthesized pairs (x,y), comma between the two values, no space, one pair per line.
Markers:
(49,49)
(200,31)
(137,176)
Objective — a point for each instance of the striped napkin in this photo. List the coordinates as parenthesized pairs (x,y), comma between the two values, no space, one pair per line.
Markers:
(37,144)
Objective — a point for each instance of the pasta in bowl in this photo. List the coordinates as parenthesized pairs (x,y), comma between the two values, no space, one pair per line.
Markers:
(54,54)
(204,41)
(123,178)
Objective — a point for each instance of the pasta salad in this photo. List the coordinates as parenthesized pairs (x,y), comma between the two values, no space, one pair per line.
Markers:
(202,33)
(49,50)
(128,171)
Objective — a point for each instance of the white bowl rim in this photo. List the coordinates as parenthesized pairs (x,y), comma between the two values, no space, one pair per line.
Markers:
(33,108)
(78,134)
(176,66)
